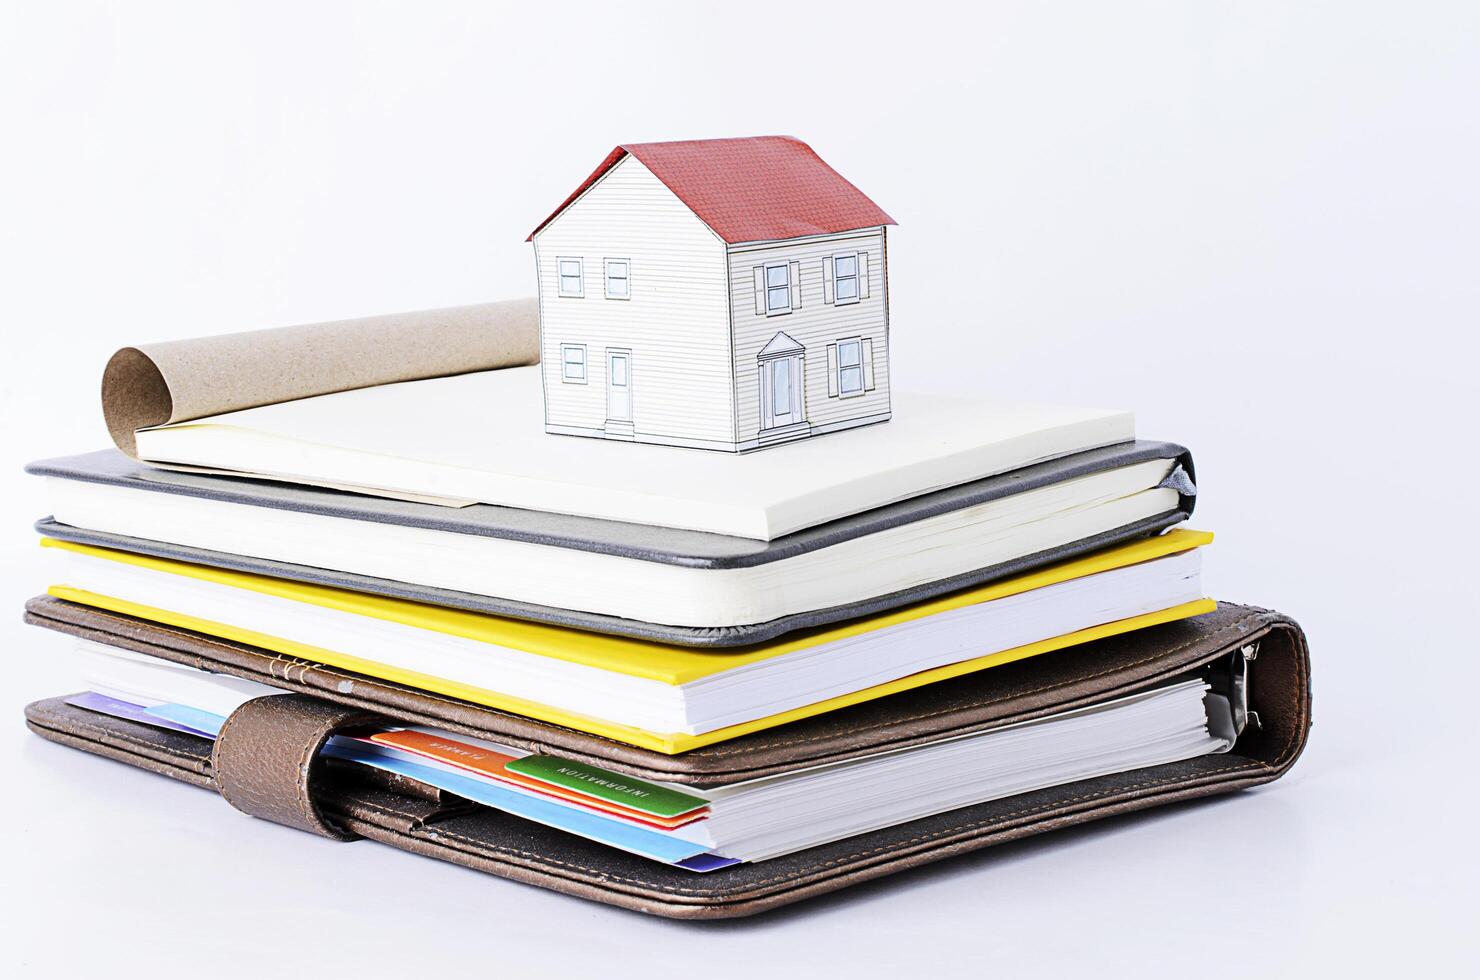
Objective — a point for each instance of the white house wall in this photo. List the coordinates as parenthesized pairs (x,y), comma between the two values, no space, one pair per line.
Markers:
(814,325)
(676,322)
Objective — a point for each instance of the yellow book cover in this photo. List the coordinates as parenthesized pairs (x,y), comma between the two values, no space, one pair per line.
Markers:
(638,658)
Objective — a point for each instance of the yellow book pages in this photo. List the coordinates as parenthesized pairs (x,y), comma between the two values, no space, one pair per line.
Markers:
(657,661)
(638,658)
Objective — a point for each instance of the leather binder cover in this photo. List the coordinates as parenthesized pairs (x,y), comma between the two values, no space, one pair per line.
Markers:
(690,549)
(341,802)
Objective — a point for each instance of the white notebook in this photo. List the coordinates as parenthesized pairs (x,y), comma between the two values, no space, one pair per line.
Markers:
(686,595)
(480,438)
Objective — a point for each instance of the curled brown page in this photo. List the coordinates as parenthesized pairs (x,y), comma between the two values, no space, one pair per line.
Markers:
(181,380)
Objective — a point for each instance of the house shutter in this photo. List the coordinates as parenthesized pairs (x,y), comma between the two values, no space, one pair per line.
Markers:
(863,277)
(832,370)
(760,290)
(827,279)
(796,285)
(868,364)
(763,385)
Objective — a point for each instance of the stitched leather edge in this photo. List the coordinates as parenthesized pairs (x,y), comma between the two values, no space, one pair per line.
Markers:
(147,758)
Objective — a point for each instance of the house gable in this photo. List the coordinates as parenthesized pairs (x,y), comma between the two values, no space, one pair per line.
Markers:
(780,344)
(669,313)
(757,188)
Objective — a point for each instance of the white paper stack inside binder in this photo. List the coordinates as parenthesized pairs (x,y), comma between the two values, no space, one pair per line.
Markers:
(707,829)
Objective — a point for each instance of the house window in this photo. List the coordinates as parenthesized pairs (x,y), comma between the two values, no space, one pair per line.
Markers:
(572,278)
(845,278)
(573,363)
(778,289)
(618,285)
(850,367)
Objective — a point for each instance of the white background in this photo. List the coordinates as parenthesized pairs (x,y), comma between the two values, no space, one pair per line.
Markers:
(1254,223)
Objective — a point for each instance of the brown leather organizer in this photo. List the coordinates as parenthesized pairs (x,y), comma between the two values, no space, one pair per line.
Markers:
(265,761)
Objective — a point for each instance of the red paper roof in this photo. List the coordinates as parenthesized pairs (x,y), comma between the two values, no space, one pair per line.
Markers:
(756,188)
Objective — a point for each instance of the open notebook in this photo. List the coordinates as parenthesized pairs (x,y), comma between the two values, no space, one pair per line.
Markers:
(480,437)
(706,829)
(667,698)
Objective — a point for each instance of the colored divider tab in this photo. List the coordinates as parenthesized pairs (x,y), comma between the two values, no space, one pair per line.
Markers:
(610,786)
(184,714)
(128,711)
(496,765)
(583,823)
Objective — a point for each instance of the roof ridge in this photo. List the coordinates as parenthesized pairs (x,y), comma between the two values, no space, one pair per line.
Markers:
(749,188)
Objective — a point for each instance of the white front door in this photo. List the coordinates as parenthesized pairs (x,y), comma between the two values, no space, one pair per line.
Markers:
(781,391)
(619,386)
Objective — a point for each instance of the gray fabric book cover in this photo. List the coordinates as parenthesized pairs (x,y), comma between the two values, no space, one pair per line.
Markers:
(693,549)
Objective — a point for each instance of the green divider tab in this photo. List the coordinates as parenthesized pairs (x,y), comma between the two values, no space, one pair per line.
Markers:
(610,786)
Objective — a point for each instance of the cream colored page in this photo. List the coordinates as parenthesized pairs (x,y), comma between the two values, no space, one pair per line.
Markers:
(480,436)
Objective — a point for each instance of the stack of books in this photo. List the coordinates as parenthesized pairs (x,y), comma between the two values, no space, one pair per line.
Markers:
(694,684)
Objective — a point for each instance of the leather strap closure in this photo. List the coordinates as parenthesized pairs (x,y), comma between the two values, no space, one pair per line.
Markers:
(266,758)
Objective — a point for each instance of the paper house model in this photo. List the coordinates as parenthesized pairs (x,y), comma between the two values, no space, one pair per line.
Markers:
(725,294)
